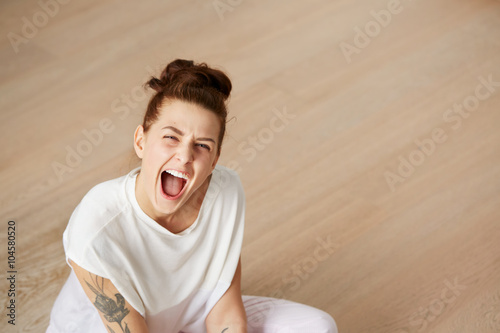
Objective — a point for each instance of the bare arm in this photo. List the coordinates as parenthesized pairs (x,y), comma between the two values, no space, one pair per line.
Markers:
(116,313)
(228,315)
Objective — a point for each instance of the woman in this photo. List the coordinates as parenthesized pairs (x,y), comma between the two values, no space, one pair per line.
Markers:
(158,250)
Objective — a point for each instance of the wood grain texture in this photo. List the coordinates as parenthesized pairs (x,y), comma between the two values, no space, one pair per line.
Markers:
(372,175)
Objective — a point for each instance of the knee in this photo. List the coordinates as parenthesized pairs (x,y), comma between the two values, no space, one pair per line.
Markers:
(321,323)
(325,324)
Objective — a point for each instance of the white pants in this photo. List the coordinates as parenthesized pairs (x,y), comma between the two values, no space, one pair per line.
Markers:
(264,314)
(271,315)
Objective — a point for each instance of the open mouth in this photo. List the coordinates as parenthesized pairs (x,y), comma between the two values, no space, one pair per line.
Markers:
(173,183)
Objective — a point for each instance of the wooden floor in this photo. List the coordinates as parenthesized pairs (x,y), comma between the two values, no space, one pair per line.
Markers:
(366,134)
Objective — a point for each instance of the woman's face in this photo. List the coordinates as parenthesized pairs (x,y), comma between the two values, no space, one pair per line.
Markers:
(178,153)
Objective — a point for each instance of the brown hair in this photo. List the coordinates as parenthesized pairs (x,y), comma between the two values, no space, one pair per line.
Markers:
(189,82)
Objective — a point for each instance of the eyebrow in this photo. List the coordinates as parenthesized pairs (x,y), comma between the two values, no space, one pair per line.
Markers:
(178,131)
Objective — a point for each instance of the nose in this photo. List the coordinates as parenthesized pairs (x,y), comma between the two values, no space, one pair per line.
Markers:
(184,153)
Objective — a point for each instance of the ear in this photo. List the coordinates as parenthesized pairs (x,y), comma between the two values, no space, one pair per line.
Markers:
(139,140)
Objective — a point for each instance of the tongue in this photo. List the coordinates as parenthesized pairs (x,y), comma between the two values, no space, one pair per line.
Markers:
(172,185)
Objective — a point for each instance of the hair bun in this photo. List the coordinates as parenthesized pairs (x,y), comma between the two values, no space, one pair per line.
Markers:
(186,81)
(182,73)
(174,67)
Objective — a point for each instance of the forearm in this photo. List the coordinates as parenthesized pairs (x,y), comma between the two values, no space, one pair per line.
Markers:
(230,318)
(231,325)
(228,328)
(228,315)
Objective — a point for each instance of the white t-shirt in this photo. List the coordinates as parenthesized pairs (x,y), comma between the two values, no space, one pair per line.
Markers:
(173,280)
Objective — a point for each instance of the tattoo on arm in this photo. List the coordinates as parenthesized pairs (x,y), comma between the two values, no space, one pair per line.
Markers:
(224,330)
(113,311)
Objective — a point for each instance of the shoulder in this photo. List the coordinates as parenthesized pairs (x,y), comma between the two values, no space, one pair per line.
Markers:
(227,182)
(104,199)
(101,205)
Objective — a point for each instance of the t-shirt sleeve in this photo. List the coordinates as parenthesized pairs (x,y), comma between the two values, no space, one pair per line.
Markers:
(85,244)
(83,227)
(232,215)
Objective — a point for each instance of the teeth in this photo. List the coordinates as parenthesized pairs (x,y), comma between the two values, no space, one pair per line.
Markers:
(177,174)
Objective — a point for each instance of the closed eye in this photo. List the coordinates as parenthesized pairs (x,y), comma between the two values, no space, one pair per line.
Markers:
(202,145)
